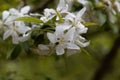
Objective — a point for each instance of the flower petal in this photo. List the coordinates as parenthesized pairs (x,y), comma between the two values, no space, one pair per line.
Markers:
(82,44)
(25,9)
(72,46)
(60,50)
(117,5)
(61,4)
(83,2)
(48,15)
(62,27)
(15,38)
(70,34)
(70,17)
(82,39)
(80,13)
(5,15)
(7,34)
(14,11)
(51,37)
(21,27)
(23,38)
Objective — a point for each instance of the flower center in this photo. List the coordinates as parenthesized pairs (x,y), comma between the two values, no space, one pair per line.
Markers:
(60,41)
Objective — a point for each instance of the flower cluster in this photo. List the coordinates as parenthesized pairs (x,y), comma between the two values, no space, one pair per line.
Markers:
(64,32)
(112,8)
(16,29)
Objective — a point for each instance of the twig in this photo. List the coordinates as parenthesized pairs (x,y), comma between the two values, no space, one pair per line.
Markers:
(41,6)
(107,61)
(22,3)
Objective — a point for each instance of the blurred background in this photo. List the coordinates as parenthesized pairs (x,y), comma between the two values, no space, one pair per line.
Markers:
(80,66)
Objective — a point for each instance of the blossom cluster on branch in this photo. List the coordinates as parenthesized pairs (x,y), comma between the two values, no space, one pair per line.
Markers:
(58,30)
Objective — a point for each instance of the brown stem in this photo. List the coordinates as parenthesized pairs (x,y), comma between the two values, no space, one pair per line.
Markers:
(22,3)
(107,61)
(41,6)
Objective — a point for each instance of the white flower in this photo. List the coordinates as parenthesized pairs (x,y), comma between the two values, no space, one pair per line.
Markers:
(13,34)
(109,5)
(16,29)
(48,15)
(110,10)
(75,21)
(9,16)
(61,9)
(117,4)
(62,40)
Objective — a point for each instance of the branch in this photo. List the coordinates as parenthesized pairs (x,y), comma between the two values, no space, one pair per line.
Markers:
(107,61)
(41,6)
(22,3)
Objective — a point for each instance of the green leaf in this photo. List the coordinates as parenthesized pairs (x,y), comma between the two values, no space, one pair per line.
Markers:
(90,24)
(15,52)
(26,47)
(29,19)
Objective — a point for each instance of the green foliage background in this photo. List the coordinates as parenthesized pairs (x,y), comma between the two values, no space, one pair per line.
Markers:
(80,66)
